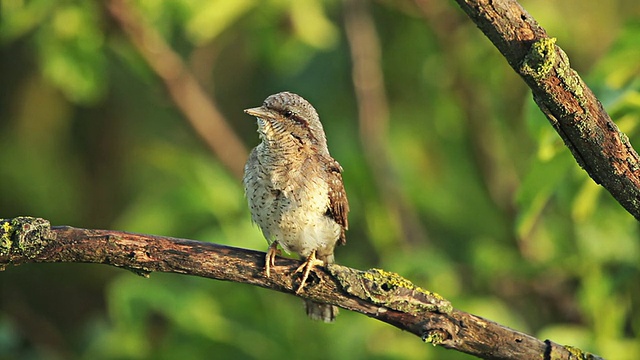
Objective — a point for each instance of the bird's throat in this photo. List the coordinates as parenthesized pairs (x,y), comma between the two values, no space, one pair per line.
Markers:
(276,141)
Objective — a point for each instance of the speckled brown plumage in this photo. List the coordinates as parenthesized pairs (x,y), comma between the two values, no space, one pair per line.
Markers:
(294,187)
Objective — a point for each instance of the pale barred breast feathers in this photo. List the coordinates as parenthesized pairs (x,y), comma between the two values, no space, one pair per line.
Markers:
(293,186)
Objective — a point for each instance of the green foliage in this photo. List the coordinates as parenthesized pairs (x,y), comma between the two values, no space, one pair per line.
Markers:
(601,248)
(67,40)
(496,215)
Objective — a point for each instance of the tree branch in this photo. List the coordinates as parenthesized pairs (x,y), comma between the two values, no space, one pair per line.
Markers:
(376,293)
(587,130)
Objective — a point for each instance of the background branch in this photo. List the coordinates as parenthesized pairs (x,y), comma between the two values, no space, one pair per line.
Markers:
(576,114)
(375,293)
(185,91)
(373,117)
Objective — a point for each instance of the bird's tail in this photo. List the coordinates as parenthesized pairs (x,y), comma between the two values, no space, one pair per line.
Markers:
(322,312)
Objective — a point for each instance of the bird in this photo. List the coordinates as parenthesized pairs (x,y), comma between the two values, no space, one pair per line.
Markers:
(295,190)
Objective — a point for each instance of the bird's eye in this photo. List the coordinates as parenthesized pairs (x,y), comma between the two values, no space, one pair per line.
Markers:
(288,114)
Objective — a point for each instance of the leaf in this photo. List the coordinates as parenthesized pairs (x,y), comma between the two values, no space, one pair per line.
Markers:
(71,52)
(210,18)
(537,188)
(18,18)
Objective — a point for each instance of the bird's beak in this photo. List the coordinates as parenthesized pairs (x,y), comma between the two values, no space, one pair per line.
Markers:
(259,112)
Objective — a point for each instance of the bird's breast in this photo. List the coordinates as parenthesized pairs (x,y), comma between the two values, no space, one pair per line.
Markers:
(288,199)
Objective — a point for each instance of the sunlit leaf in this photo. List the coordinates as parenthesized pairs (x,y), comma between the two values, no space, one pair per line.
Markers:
(538,187)
(17,17)
(213,17)
(71,52)
(621,65)
(312,25)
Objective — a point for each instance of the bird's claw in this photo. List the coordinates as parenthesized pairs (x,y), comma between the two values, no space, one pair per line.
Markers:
(270,259)
(306,268)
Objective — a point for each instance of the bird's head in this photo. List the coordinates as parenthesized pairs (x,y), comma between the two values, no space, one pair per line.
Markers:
(286,117)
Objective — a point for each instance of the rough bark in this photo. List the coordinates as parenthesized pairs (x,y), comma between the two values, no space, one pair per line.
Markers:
(376,293)
(573,110)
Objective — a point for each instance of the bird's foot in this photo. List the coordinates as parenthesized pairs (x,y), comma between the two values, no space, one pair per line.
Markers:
(270,259)
(306,268)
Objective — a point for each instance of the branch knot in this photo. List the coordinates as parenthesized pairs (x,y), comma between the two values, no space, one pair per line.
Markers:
(24,236)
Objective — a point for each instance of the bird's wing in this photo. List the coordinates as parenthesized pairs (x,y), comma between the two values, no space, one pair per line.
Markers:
(338,203)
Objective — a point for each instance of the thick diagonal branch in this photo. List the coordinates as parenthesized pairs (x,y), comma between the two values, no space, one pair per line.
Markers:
(375,293)
(594,140)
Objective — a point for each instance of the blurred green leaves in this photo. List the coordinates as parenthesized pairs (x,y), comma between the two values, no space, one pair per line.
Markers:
(20,17)
(210,18)
(143,312)
(601,248)
(71,53)
(68,41)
